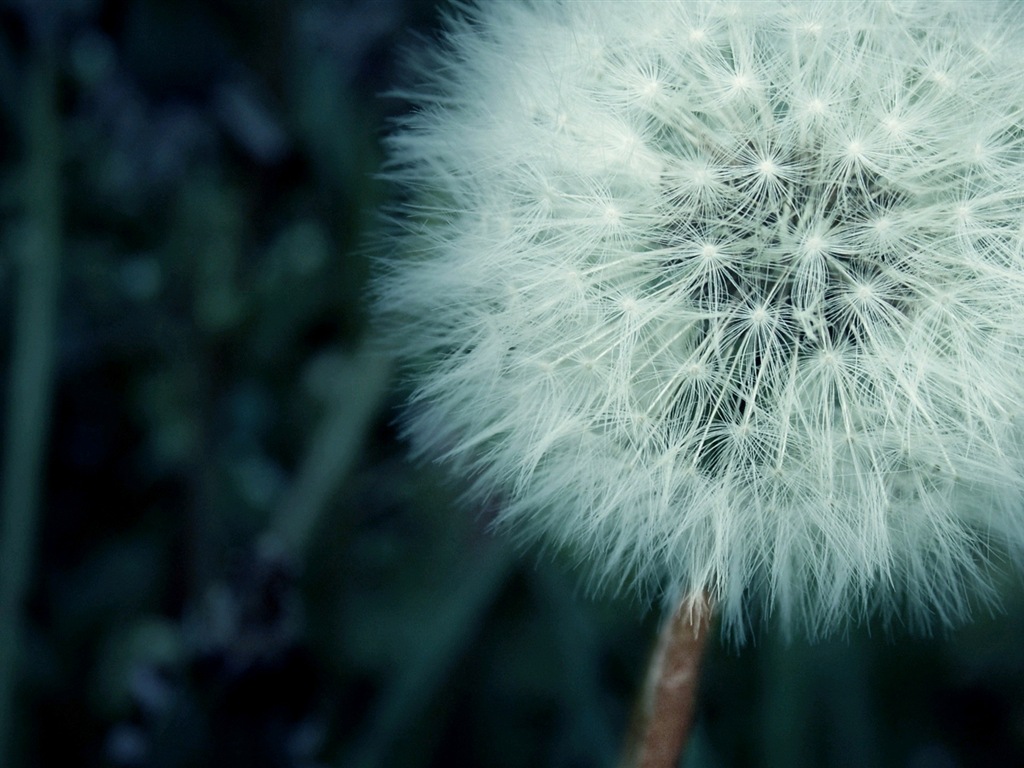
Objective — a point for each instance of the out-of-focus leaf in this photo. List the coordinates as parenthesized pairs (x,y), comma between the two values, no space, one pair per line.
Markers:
(129,662)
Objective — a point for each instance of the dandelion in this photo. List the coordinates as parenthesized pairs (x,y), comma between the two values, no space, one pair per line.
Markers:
(725,298)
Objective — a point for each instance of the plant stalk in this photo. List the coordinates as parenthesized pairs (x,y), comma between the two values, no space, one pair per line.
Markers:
(30,385)
(664,714)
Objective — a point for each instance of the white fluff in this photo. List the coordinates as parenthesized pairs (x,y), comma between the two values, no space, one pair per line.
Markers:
(726,296)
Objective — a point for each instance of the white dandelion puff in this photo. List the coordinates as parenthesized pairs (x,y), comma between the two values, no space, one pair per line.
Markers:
(726,297)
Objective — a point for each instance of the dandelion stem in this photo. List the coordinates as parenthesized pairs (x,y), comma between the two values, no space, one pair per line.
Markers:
(665,710)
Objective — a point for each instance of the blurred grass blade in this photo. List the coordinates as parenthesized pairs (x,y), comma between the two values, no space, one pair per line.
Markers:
(358,391)
(426,667)
(31,370)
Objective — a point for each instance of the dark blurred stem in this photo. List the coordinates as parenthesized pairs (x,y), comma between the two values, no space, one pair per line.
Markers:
(442,642)
(31,372)
(664,713)
(333,449)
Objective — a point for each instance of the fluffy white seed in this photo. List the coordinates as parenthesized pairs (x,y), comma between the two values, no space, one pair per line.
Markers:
(726,296)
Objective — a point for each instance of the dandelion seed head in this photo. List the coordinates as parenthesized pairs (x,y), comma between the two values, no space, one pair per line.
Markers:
(726,297)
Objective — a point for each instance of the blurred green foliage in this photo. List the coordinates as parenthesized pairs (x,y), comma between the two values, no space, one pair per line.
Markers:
(234,563)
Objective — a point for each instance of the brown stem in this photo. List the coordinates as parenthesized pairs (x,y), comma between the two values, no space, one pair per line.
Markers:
(665,712)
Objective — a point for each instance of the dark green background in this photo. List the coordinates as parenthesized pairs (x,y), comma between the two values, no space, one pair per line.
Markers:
(231,563)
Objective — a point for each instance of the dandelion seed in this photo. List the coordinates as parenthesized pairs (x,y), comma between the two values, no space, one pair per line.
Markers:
(726,298)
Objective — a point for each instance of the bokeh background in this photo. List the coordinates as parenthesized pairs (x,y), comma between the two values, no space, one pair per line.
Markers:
(212,549)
